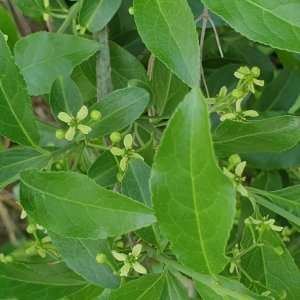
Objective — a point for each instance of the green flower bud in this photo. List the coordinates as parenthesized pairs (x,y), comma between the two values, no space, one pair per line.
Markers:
(60,134)
(234,159)
(120,177)
(101,258)
(282,294)
(120,244)
(58,166)
(95,115)
(237,94)
(278,250)
(248,222)
(255,71)
(9,258)
(2,258)
(115,137)
(31,228)
(131,10)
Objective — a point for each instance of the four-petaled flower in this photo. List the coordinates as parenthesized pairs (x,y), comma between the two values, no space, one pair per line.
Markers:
(126,153)
(74,123)
(130,261)
(268,224)
(237,178)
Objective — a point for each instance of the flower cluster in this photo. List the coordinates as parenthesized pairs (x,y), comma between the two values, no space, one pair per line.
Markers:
(263,224)
(236,178)
(130,261)
(126,153)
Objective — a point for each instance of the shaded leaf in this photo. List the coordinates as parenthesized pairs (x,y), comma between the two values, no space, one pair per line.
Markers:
(169,32)
(73,205)
(193,201)
(44,56)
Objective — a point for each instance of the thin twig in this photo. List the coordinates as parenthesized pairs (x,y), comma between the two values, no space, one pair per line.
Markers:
(204,16)
(6,221)
(217,36)
(10,202)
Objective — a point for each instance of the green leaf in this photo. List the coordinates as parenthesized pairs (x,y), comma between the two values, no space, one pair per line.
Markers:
(276,272)
(119,109)
(286,200)
(31,8)
(197,202)
(269,135)
(147,287)
(124,67)
(13,161)
(147,126)
(95,14)
(88,157)
(8,27)
(88,293)
(44,56)
(167,29)
(169,89)
(271,15)
(80,255)
(274,161)
(173,289)
(146,151)
(104,170)
(18,281)
(16,117)
(73,205)
(281,93)
(146,86)
(210,294)
(135,185)
(65,97)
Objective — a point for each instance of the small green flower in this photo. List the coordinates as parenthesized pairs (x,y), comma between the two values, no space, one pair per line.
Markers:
(237,178)
(101,258)
(74,123)
(130,261)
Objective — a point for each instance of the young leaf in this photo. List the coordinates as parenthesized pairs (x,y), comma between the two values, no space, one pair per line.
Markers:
(13,161)
(147,287)
(277,272)
(65,97)
(269,135)
(21,282)
(44,56)
(95,14)
(119,109)
(125,67)
(16,117)
(286,200)
(193,201)
(169,32)
(135,185)
(104,170)
(73,205)
(80,255)
(271,15)
(169,89)
(173,289)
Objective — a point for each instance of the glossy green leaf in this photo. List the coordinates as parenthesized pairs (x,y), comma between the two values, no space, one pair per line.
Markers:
(87,293)
(21,282)
(169,89)
(31,8)
(269,135)
(104,170)
(135,185)
(210,294)
(288,200)
(119,109)
(147,287)
(124,67)
(272,16)
(84,76)
(193,201)
(146,151)
(274,161)
(8,27)
(13,161)
(16,117)
(276,272)
(169,32)
(146,86)
(65,97)
(281,93)
(268,181)
(73,205)
(288,59)
(80,255)
(88,157)
(173,289)
(44,56)
(147,126)
(95,14)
